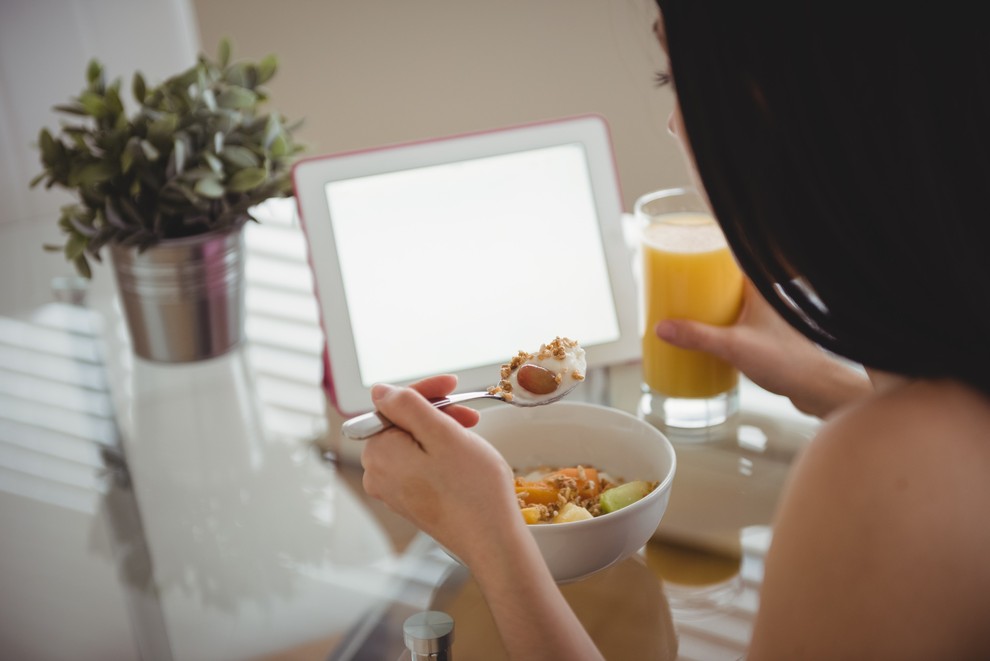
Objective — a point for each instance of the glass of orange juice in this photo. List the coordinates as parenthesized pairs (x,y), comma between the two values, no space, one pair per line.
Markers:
(688,272)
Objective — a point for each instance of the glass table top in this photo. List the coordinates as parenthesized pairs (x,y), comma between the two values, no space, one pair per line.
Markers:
(212,511)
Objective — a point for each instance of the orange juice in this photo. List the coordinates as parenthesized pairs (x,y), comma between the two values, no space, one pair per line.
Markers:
(688,273)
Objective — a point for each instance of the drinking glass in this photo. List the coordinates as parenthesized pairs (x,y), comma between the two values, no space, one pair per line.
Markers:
(688,272)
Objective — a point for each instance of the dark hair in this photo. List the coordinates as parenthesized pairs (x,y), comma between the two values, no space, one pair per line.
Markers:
(849,150)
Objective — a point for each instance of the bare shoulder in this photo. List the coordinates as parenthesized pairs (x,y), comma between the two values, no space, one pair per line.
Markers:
(909,438)
(881,537)
(925,444)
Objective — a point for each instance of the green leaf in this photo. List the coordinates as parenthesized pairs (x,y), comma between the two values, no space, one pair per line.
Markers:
(209,187)
(93,104)
(126,159)
(139,88)
(280,147)
(273,129)
(78,135)
(257,125)
(72,110)
(74,246)
(247,179)
(46,143)
(237,97)
(82,267)
(162,128)
(113,218)
(202,83)
(81,226)
(150,151)
(267,68)
(210,99)
(223,58)
(240,157)
(113,102)
(130,212)
(97,242)
(215,163)
(251,76)
(178,192)
(178,85)
(231,121)
(93,173)
(94,74)
(179,150)
(236,74)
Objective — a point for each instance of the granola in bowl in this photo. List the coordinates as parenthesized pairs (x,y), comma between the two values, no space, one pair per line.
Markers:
(574,493)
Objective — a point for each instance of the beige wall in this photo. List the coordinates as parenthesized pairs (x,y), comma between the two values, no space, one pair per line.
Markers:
(371,72)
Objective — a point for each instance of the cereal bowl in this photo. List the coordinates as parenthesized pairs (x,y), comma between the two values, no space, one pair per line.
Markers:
(571,433)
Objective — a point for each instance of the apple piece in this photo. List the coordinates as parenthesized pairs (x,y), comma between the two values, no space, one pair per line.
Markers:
(623,495)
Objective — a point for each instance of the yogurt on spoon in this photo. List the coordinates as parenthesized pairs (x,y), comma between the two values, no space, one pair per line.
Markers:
(532,377)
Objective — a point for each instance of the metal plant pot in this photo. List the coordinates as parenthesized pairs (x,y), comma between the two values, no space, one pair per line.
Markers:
(183,298)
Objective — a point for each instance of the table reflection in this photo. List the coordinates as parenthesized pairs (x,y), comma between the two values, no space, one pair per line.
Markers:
(697,582)
(729,478)
(249,535)
(623,608)
(244,515)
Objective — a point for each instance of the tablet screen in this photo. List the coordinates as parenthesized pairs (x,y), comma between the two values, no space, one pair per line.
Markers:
(451,255)
(462,264)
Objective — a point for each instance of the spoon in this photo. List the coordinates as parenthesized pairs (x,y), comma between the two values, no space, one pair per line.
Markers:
(373,422)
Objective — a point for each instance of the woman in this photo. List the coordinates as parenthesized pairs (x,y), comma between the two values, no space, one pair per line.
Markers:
(846,157)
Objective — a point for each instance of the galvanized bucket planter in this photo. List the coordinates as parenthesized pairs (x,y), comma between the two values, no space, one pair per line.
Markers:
(183,298)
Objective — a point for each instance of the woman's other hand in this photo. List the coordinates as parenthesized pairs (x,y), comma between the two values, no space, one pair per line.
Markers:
(773,355)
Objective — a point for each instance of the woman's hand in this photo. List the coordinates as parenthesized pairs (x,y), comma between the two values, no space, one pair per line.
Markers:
(445,479)
(458,489)
(773,355)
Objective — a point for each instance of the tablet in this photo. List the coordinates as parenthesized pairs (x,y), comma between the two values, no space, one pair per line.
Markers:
(452,255)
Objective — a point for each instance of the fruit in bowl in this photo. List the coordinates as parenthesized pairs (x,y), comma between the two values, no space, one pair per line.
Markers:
(575,434)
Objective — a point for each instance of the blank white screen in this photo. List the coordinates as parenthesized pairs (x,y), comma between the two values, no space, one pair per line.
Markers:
(459,265)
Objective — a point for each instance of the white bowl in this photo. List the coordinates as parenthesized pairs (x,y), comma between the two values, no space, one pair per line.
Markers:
(567,434)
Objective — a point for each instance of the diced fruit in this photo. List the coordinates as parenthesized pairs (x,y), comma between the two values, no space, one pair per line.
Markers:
(571,512)
(625,494)
(531,515)
(538,380)
(587,486)
(536,493)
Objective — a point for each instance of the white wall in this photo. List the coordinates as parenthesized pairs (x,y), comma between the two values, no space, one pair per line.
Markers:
(45,46)
(64,598)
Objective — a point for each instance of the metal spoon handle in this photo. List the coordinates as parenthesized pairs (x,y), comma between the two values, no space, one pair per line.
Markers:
(373,422)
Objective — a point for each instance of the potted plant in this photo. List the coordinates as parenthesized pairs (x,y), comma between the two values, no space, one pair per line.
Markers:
(167,189)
